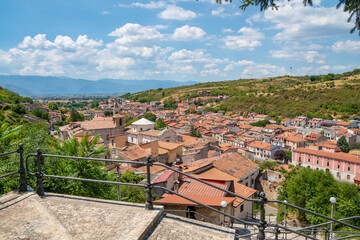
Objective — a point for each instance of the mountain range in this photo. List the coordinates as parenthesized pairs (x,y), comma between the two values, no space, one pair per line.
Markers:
(38,85)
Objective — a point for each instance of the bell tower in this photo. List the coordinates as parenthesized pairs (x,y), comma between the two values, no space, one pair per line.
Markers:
(119,121)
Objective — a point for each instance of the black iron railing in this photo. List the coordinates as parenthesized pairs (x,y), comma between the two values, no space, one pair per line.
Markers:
(261,224)
(21,171)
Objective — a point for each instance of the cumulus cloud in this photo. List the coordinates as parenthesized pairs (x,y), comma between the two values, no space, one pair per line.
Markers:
(185,55)
(212,72)
(249,39)
(227,30)
(307,56)
(151,5)
(220,12)
(132,33)
(176,13)
(263,70)
(241,63)
(347,46)
(187,33)
(298,22)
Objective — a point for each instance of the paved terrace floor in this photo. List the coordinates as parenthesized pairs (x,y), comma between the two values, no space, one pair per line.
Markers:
(57,216)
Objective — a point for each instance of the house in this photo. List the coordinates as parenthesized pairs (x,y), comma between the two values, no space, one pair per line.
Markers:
(272,129)
(261,150)
(286,122)
(330,132)
(174,150)
(261,117)
(343,166)
(106,127)
(130,153)
(315,137)
(142,131)
(299,121)
(315,123)
(227,171)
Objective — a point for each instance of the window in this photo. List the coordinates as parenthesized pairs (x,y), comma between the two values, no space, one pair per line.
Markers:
(328,164)
(317,161)
(338,166)
(348,177)
(247,184)
(349,168)
(308,159)
(242,208)
(120,121)
(299,159)
(112,142)
(107,136)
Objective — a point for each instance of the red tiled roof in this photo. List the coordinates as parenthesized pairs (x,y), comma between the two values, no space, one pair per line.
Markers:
(261,145)
(172,199)
(164,177)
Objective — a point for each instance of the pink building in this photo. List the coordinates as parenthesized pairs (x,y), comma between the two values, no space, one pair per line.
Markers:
(343,166)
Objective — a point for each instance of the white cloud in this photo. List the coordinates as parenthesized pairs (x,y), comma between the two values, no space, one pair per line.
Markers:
(176,13)
(240,63)
(348,46)
(210,65)
(307,56)
(151,5)
(249,39)
(105,12)
(39,41)
(186,33)
(227,30)
(132,33)
(218,11)
(298,22)
(263,70)
(184,55)
(212,72)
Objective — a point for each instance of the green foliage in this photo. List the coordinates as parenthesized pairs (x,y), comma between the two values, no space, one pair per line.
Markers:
(129,120)
(19,109)
(159,124)
(53,106)
(268,165)
(150,116)
(108,113)
(194,132)
(343,144)
(210,109)
(312,189)
(76,116)
(170,104)
(131,177)
(261,123)
(40,113)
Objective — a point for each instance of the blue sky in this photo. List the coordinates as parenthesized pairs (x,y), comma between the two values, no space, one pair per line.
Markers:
(173,40)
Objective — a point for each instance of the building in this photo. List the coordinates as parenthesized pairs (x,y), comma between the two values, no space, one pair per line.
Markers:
(343,166)
(142,131)
(107,128)
(261,150)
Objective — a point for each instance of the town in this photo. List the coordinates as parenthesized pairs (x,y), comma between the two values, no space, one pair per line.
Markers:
(227,150)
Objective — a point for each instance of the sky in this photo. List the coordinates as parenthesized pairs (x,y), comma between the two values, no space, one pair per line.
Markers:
(178,40)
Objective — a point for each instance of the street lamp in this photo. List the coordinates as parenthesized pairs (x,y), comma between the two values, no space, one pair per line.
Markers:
(285,217)
(332,200)
(223,205)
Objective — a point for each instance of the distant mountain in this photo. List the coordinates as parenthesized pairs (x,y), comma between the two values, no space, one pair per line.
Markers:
(37,85)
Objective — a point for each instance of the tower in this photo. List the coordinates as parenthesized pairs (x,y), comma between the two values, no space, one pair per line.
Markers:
(119,121)
(116,109)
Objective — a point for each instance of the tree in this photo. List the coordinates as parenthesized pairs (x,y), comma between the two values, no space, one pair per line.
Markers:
(53,106)
(260,123)
(150,116)
(76,116)
(312,189)
(194,132)
(108,113)
(343,144)
(40,113)
(159,124)
(350,6)
(191,111)
(280,155)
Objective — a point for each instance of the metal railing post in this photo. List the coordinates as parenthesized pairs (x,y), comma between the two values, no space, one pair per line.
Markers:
(38,174)
(277,233)
(118,178)
(261,234)
(23,187)
(148,196)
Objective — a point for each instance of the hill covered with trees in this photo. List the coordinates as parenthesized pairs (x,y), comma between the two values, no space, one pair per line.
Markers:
(325,96)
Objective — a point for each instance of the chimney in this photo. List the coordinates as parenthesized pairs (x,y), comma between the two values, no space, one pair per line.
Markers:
(176,186)
(180,176)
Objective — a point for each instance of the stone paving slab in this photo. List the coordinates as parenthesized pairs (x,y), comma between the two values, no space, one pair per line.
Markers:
(22,216)
(89,218)
(174,227)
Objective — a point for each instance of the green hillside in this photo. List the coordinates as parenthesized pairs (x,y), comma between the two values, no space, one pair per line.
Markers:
(326,96)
